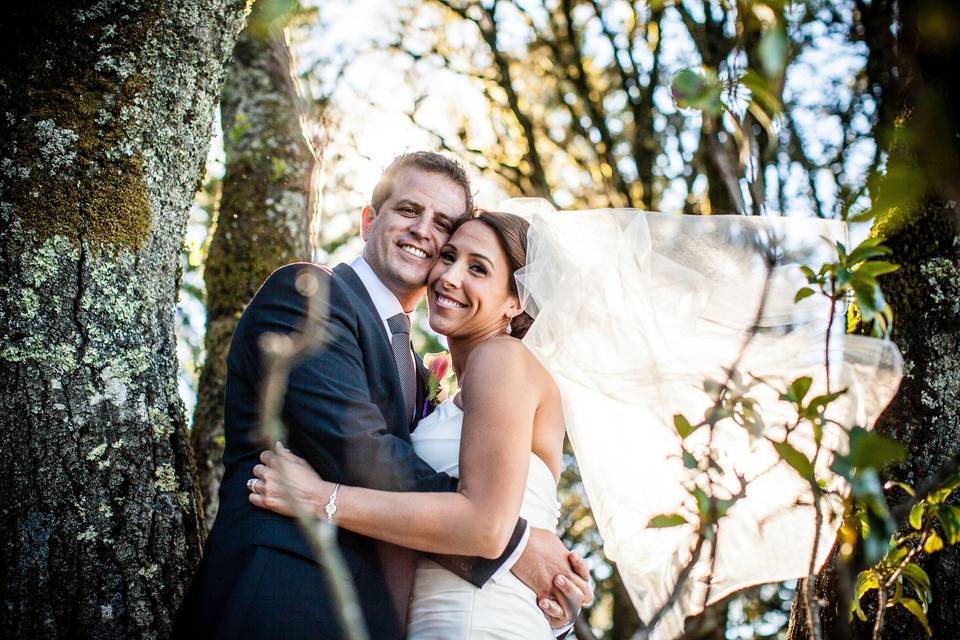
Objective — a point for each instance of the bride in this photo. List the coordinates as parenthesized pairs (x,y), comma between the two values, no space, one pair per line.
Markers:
(634,311)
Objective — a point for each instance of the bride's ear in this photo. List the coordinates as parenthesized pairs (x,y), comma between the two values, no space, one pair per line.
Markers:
(514,308)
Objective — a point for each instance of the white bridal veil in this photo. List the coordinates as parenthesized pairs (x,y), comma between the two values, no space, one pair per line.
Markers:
(634,311)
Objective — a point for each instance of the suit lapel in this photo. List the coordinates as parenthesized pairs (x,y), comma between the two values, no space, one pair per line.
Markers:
(353,281)
(421,390)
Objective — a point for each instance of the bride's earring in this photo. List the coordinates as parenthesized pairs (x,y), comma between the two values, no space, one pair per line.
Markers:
(509,329)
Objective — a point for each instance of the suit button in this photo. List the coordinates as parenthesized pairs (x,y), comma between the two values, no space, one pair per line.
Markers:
(464,566)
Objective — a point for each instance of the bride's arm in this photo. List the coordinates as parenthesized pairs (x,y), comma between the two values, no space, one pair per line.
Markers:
(500,400)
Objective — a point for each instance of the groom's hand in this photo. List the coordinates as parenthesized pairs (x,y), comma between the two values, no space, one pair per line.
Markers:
(558,576)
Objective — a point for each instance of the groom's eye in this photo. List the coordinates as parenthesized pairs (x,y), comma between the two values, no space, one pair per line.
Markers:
(442,223)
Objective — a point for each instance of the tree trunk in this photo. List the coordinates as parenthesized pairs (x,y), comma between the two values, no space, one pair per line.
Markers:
(106,116)
(262,222)
(922,225)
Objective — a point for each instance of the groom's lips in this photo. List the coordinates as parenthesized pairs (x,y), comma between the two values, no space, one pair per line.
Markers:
(414,250)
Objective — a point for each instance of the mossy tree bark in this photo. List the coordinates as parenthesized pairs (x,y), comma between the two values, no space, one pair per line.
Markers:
(105,119)
(262,222)
(919,198)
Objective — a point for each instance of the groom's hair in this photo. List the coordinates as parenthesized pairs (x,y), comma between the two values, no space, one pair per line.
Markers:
(426,161)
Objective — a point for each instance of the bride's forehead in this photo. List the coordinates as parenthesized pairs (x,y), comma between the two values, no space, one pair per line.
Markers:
(473,232)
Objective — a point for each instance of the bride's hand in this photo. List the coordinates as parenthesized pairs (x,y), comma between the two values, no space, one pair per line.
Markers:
(283,478)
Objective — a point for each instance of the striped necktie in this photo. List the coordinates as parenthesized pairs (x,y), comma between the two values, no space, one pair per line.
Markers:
(402,356)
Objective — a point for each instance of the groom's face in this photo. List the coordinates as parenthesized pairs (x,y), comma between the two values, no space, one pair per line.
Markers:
(404,237)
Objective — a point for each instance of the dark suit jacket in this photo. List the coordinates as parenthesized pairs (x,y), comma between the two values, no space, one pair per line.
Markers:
(344,412)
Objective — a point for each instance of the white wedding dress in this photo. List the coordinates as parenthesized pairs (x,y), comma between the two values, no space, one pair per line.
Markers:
(447,607)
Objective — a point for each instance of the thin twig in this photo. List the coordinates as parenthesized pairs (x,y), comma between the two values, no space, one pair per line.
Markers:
(282,353)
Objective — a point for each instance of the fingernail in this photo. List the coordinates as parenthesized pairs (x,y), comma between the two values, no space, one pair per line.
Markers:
(543,604)
(279,445)
(560,581)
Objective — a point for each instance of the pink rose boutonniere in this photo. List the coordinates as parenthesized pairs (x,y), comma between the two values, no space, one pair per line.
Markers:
(439,380)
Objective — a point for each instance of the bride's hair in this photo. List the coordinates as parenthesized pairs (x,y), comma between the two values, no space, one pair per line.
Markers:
(511,231)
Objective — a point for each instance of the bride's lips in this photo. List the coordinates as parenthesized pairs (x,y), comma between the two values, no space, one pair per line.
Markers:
(445,301)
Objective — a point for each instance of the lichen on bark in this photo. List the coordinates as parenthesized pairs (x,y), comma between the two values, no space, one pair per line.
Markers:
(105,113)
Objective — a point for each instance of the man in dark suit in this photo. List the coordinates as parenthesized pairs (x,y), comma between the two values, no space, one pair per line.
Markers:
(349,409)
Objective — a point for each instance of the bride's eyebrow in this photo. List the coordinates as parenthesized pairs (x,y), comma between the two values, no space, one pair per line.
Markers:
(482,257)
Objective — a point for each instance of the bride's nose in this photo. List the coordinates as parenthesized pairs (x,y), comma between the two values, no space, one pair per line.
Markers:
(451,278)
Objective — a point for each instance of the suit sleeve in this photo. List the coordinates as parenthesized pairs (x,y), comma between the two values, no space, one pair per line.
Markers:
(332,420)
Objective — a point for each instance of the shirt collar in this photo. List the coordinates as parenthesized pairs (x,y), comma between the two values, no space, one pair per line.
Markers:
(383,299)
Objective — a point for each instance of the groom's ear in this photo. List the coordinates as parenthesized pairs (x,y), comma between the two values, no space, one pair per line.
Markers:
(366,221)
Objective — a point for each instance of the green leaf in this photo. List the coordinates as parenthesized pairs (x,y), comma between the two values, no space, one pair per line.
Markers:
(667,520)
(805,292)
(682,425)
(866,581)
(870,450)
(819,402)
(914,607)
(903,485)
(800,387)
(808,273)
(863,216)
(796,460)
(949,517)
(689,461)
(877,268)
(761,92)
(916,516)
(703,502)
(933,544)
(697,89)
(772,51)
(919,581)
(869,248)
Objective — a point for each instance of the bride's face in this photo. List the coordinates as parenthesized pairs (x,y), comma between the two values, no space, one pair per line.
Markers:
(468,290)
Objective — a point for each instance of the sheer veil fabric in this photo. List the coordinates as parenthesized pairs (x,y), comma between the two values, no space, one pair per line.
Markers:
(634,311)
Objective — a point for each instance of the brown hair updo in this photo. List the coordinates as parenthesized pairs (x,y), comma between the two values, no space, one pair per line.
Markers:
(511,232)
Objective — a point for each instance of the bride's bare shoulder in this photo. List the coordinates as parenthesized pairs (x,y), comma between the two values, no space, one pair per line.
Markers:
(509,357)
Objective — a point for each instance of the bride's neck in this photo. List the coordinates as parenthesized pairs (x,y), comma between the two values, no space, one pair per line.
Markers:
(461,348)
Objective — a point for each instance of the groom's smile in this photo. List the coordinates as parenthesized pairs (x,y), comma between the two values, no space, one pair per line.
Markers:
(415,251)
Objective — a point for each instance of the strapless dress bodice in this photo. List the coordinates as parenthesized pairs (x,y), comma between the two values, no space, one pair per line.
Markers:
(437,441)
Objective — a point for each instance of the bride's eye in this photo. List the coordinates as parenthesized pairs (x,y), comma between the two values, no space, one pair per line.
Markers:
(479,268)
(447,256)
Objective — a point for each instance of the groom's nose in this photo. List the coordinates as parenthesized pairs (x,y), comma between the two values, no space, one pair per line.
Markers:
(421,225)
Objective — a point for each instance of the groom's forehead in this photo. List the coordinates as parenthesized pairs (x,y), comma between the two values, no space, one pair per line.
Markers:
(422,186)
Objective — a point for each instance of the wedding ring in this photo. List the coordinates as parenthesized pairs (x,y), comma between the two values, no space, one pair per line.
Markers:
(252,484)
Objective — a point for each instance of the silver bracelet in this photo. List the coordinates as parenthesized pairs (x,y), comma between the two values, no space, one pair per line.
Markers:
(331,507)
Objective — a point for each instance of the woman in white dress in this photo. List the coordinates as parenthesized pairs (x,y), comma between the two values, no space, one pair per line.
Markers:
(502,435)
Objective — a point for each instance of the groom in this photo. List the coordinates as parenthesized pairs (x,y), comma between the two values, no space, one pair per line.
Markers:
(349,409)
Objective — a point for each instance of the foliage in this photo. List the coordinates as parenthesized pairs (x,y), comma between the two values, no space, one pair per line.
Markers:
(933,524)
(570,100)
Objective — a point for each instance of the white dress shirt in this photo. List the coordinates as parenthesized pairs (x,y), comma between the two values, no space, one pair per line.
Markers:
(388,306)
